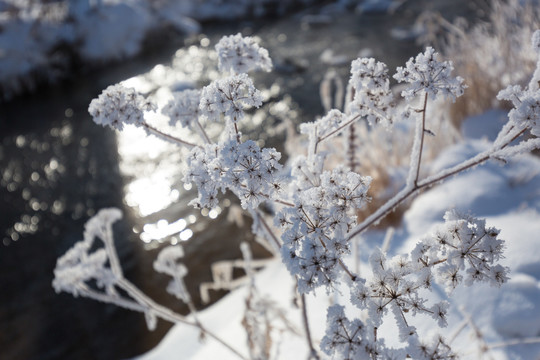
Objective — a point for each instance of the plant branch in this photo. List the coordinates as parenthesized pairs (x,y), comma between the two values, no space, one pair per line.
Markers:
(338,129)
(202,131)
(312,352)
(268,229)
(418,144)
(411,189)
(168,137)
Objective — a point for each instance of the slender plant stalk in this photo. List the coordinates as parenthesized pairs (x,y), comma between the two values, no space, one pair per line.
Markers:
(168,137)
(268,229)
(202,131)
(420,137)
(312,352)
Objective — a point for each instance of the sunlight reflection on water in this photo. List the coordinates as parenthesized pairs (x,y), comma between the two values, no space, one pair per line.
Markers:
(153,167)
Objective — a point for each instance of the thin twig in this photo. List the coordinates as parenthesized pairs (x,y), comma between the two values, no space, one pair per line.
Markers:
(312,352)
(338,129)
(168,137)
(533,340)
(202,131)
(268,229)
(420,137)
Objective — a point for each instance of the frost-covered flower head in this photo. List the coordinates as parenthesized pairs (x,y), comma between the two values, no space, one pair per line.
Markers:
(82,264)
(248,171)
(372,95)
(314,237)
(429,75)
(239,54)
(118,105)
(526,111)
(347,339)
(184,107)
(229,96)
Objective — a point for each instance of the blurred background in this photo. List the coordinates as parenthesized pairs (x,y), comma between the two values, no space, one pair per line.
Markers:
(57,168)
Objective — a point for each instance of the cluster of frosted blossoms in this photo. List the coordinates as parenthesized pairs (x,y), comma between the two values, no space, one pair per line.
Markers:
(373,97)
(318,209)
(250,173)
(315,229)
(426,74)
(526,111)
(463,250)
(229,97)
(324,128)
(183,108)
(118,105)
(238,54)
(349,340)
(83,264)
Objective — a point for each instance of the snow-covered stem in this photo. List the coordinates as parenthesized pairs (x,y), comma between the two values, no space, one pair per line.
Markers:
(351,148)
(143,303)
(411,189)
(111,251)
(462,326)
(418,146)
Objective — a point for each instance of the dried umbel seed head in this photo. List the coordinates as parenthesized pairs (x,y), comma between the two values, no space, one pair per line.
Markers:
(118,105)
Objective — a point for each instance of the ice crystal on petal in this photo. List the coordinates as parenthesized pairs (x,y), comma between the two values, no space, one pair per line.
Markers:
(239,54)
(118,105)
(429,75)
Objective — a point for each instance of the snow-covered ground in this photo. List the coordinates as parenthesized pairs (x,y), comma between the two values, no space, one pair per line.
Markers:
(508,318)
(38,39)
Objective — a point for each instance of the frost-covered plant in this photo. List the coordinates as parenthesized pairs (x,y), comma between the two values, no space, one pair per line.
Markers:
(314,206)
(241,55)
(117,106)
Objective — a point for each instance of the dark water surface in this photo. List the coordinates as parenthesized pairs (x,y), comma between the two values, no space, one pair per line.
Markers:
(57,169)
